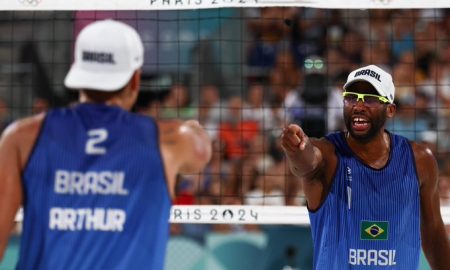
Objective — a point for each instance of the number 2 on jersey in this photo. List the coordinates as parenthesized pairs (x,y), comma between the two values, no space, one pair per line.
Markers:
(96,137)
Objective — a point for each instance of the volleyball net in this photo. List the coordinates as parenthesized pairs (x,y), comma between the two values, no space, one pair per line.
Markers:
(244,69)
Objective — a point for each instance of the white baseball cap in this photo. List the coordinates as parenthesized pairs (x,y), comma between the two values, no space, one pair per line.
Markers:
(378,78)
(107,53)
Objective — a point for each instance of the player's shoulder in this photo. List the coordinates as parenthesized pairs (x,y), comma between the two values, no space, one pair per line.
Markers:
(324,144)
(25,126)
(164,124)
(176,129)
(168,127)
(422,153)
(21,135)
(426,164)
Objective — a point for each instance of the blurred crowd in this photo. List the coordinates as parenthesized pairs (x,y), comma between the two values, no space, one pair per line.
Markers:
(297,60)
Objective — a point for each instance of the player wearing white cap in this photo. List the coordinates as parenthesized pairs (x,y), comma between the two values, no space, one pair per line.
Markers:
(95,180)
(372,196)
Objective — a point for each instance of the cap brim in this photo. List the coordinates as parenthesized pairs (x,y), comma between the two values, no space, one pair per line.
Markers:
(108,82)
(369,80)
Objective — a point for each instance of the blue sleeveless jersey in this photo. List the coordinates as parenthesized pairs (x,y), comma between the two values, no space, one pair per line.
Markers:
(371,217)
(95,192)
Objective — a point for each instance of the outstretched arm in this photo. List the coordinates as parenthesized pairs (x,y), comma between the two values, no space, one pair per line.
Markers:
(435,242)
(306,161)
(302,155)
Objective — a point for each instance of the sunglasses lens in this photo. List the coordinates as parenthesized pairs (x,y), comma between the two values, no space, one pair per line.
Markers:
(371,100)
(350,97)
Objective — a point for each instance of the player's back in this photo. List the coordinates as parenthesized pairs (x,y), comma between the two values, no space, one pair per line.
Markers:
(95,192)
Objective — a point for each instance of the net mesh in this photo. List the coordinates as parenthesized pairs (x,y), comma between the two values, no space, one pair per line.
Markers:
(244,73)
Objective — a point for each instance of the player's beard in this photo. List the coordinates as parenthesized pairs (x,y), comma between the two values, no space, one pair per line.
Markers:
(376,124)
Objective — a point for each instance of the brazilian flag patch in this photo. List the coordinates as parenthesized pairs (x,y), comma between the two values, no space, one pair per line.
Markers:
(374,230)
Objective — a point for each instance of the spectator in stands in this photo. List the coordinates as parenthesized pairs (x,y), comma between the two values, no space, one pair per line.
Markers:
(309,33)
(269,33)
(425,51)
(335,119)
(258,109)
(407,122)
(178,104)
(214,176)
(403,33)
(308,104)
(210,108)
(375,26)
(284,77)
(437,85)
(377,54)
(210,104)
(258,155)
(351,46)
(337,62)
(404,75)
(335,29)
(237,131)
(269,187)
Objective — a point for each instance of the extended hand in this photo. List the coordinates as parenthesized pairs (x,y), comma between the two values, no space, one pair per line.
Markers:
(293,139)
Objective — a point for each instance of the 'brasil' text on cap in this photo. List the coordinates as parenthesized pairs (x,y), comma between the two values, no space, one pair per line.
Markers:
(107,53)
(378,78)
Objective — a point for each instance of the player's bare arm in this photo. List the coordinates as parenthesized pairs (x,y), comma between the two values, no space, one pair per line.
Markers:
(434,238)
(312,160)
(196,142)
(186,148)
(15,146)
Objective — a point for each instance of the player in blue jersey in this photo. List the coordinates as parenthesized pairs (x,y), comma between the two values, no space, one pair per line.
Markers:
(372,195)
(95,180)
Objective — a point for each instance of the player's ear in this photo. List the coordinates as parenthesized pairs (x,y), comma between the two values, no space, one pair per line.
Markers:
(390,110)
(135,80)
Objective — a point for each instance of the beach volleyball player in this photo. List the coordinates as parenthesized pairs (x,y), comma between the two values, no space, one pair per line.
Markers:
(96,181)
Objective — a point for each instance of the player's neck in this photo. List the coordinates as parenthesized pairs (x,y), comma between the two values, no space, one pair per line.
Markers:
(375,152)
(113,100)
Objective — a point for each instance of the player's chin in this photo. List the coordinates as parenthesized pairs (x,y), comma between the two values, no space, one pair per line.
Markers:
(360,133)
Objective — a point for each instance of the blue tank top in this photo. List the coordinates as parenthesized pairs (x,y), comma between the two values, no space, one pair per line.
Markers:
(96,196)
(371,217)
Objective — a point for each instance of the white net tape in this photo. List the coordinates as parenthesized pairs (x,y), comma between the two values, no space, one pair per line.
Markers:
(202,4)
(244,214)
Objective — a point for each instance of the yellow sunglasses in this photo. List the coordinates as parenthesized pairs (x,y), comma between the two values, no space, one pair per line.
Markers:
(352,98)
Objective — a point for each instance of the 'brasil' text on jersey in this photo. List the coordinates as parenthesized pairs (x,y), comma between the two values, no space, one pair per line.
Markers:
(95,192)
(371,217)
